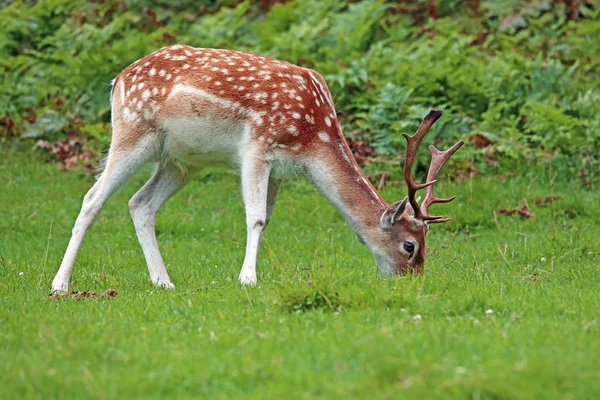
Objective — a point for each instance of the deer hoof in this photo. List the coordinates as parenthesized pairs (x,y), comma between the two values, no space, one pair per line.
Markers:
(60,286)
(165,284)
(249,280)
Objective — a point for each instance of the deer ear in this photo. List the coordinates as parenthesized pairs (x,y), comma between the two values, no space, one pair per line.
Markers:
(409,210)
(389,216)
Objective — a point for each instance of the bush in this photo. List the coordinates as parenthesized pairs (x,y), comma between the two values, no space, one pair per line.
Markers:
(522,75)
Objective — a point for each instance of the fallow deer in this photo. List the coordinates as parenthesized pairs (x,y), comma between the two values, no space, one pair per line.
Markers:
(183,108)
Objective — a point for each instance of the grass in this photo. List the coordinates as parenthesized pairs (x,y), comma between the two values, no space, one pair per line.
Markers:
(507,308)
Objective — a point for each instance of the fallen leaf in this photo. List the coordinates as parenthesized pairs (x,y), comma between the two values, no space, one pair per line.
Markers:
(90,294)
(479,141)
(522,212)
(586,179)
(546,200)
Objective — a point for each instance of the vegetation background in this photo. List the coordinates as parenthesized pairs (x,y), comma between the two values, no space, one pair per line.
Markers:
(508,306)
(518,79)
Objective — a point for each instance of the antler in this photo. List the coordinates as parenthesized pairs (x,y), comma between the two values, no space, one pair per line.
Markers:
(438,158)
(412,145)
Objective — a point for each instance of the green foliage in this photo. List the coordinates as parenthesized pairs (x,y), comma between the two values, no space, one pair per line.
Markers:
(523,74)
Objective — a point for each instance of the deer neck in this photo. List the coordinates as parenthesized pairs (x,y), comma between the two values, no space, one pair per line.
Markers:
(343,183)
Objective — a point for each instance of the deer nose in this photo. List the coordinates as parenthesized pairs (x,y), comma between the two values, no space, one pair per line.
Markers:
(409,246)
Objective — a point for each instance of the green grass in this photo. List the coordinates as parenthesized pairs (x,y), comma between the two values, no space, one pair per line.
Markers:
(360,335)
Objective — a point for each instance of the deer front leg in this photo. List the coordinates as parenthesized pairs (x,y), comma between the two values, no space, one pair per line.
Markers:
(255,183)
(272,192)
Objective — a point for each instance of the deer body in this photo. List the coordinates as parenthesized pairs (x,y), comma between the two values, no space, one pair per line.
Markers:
(183,108)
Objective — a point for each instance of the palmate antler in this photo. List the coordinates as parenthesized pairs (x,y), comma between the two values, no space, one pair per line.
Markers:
(438,159)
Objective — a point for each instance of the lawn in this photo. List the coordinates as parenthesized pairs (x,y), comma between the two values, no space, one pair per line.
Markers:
(507,308)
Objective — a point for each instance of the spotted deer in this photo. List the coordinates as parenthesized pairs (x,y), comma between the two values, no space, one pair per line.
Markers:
(183,108)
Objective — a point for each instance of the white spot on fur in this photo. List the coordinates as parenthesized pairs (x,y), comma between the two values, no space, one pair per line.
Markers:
(162,72)
(295,115)
(309,118)
(152,72)
(323,136)
(168,77)
(146,95)
(327,121)
(293,130)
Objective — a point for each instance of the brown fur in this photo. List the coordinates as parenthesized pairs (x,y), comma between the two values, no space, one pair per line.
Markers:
(293,102)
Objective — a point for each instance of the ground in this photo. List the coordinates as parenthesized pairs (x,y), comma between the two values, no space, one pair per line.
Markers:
(507,308)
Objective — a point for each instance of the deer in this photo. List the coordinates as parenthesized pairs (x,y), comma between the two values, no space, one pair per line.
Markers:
(182,108)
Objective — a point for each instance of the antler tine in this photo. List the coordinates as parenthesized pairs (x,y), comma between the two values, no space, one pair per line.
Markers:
(438,159)
(412,146)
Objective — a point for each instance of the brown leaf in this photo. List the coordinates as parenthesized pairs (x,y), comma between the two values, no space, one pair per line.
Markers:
(168,38)
(70,152)
(9,124)
(479,141)
(29,115)
(533,277)
(522,212)
(586,179)
(109,293)
(86,294)
(155,22)
(546,200)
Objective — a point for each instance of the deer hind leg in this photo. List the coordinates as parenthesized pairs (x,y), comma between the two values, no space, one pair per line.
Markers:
(255,183)
(119,168)
(144,206)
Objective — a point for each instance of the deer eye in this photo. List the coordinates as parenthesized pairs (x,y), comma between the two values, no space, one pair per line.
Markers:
(409,246)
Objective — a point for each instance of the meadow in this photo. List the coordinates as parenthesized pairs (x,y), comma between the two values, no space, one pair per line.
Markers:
(507,307)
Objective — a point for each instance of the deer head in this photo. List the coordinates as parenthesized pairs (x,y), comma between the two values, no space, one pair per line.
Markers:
(405,223)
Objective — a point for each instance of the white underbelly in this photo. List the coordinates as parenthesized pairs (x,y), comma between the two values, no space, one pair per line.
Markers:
(203,141)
